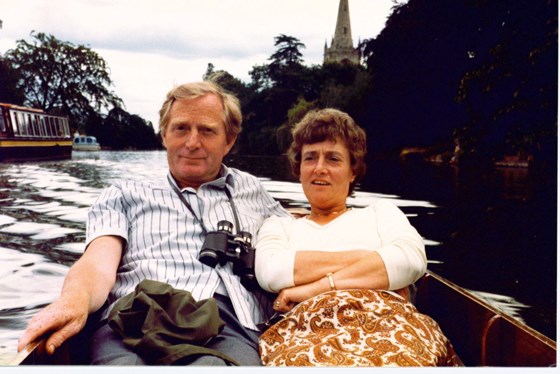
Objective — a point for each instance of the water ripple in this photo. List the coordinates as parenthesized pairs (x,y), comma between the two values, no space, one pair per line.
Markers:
(28,282)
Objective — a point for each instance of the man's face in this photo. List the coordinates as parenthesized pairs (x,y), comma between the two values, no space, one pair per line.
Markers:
(195,139)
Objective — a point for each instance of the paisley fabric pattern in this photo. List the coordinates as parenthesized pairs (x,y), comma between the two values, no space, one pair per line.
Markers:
(356,328)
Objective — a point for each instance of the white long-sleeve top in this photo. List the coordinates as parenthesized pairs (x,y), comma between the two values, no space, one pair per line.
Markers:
(380,227)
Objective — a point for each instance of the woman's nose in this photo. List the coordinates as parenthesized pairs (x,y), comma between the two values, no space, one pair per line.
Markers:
(320,167)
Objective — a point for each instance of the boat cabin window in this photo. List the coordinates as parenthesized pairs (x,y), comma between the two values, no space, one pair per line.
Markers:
(23,124)
(85,140)
(15,124)
(51,126)
(35,127)
(2,122)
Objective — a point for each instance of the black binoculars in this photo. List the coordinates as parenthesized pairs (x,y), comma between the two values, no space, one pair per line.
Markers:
(221,246)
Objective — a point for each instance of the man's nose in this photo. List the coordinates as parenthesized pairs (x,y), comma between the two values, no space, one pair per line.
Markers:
(193,140)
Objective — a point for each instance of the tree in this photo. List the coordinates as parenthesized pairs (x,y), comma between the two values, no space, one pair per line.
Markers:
(416,63)
(275,89)
(260,80)
(122,130)
(228,82)
(9,91)
(510,96)
(479,74)
(288,52)
(60,77)
(286,61)
(344,86)
(295,114)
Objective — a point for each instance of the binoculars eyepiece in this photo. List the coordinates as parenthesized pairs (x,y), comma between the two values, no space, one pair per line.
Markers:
(221,246)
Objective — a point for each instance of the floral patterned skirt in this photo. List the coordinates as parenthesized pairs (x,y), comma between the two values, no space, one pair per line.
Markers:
(356,328)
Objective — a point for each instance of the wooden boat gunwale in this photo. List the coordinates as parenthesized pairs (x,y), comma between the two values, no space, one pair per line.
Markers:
(481,334)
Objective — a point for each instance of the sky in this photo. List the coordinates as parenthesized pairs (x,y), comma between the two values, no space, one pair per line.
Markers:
(152,45)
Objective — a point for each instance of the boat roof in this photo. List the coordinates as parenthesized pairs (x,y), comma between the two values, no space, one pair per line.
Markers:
(19,107)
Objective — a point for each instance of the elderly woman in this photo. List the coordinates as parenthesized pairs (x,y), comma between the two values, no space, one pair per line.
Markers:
(335,247)
(371,248)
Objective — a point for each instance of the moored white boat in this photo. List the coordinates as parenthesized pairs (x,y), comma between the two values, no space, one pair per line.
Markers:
(85,143)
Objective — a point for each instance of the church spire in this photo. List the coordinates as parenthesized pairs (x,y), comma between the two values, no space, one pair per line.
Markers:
(342,48)
(343,31)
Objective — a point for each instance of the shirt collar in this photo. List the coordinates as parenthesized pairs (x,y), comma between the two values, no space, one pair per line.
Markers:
(225,177)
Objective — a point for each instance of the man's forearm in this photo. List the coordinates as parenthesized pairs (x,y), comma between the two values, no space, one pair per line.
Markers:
(94,274)
(84,284)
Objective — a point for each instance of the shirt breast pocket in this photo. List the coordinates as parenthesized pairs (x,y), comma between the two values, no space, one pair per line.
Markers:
(250,219)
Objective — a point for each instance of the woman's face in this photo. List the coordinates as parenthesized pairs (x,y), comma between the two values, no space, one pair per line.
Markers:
(326,174)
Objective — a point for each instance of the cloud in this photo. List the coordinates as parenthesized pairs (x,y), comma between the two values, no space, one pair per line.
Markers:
(151,45)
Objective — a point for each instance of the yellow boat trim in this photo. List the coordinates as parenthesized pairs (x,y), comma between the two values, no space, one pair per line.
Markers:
(35,143)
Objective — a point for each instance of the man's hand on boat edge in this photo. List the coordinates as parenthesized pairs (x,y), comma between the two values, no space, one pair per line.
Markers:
(62,319)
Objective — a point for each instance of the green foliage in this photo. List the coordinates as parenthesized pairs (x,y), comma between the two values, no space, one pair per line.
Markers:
(478,74)
(122,130)
(9,91)
(60,77)
(511,94)
(344,87)
(295,114)
(298,111)
(273,90)
(228,82)
(286,69)
(281,92)
(63,78)
(260,80)
(288,52)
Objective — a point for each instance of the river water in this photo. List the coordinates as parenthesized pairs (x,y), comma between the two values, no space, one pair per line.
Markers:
(494,234)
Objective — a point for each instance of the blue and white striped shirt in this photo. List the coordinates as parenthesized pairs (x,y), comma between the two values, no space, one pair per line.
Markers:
(163,239)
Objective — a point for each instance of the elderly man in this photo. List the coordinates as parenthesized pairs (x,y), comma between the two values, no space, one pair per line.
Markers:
(155,230)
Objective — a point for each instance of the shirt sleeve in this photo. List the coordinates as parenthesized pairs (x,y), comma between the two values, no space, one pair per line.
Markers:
(274,260)
(107,216)
(402,248)
(273,206)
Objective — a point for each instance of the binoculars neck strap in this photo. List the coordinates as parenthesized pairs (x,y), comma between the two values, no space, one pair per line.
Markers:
(189,207)
(233,209)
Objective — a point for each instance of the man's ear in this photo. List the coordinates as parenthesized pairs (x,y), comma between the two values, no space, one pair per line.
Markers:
(162,136)
(230,145)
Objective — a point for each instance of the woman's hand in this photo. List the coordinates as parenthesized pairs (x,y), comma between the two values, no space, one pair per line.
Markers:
(289,297)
